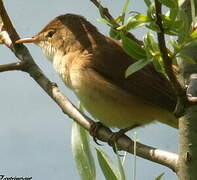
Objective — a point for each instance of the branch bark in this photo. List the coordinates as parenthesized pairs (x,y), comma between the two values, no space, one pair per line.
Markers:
(188,124)
(165,158)
(13,66)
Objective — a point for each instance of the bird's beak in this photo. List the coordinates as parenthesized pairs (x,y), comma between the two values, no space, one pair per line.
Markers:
(27,40)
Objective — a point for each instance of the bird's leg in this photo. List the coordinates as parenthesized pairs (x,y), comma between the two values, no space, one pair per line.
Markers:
(93,131)
(114,137)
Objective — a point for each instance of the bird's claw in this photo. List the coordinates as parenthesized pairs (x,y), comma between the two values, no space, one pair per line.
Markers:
(93,131)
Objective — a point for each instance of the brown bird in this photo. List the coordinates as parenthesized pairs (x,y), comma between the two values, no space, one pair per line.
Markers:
(94,66)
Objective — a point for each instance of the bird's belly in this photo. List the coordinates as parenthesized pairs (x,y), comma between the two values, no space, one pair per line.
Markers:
(113,106)
(114,112)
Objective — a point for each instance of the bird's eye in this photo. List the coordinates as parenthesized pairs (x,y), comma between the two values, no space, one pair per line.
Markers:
(50,34)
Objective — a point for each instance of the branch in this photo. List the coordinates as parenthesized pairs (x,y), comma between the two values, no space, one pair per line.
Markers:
(159,156)
(110,18)
(13,66)
(164,52)
(124,143)
(9,27)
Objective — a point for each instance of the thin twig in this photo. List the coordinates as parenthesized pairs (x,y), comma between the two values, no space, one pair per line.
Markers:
(124,142)
(164,52)
(13,66)
(110,18)
(105,12)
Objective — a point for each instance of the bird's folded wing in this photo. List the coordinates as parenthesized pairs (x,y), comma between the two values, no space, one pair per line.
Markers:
(146,83)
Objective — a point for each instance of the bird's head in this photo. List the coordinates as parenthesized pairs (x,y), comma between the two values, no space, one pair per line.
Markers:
(64,33)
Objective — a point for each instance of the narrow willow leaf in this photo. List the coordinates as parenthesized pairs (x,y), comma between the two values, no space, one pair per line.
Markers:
(185,28)
(170,3)
(105,21)
(82,154)
(142,18)
(133,49)
(172,25)
(187,58)
(148,3)
(125,8)
(153,26)
(150,42)
(194,34)
(158,64)
(119,19)
(114,34)
(173,13)
(160,176)
(175,45)
(193,12)
(136,67)
(108,168)
(151,11)
(131,25)
(120,166)
(134,22)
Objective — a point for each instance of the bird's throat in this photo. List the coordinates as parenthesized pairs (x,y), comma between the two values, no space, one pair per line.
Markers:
(49,50)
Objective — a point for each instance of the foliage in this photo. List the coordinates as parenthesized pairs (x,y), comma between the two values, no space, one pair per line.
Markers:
(176,27)
(82,153)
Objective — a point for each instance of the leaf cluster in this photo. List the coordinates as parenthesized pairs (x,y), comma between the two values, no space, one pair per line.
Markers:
(175,26)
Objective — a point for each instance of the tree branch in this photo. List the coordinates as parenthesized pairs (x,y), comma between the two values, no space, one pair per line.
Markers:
(9,27)
(188,124)
(164,52)
(124,142)
(13,66)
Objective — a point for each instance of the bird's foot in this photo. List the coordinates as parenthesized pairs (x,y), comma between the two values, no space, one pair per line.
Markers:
(115,136)
(93,131)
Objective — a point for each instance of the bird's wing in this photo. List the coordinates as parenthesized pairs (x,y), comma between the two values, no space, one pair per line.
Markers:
(111,62)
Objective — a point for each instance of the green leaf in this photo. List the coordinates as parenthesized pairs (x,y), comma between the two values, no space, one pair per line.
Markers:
(136,67)
(194,34)
(151,11)
(114,34)
(193,12)
(148,3)
(119,19)
(82,154)
(170,3)
(172,27)
(153,26)
(109,169)
(125,8)
(187,58)
(130,25)
(185,28)
(173,13)
(134,22)
(132,48)
(142,18)
(174,44)
(120,166)
(150,42)
(158,64)
(105,21)
(160,176)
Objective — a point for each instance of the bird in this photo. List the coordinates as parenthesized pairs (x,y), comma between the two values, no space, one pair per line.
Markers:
(93,66)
